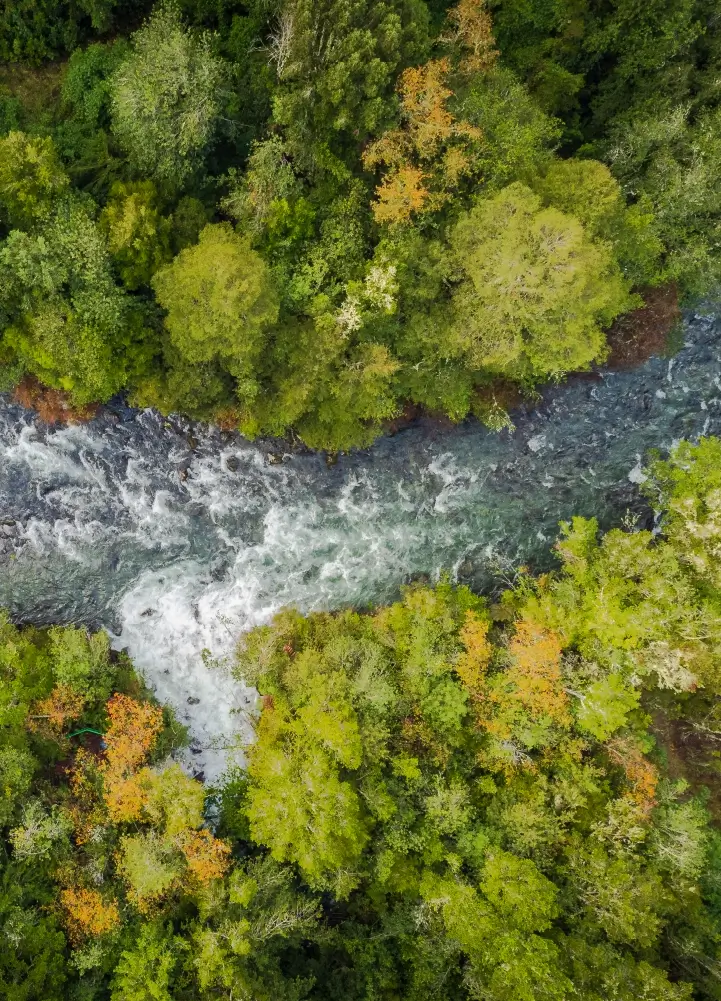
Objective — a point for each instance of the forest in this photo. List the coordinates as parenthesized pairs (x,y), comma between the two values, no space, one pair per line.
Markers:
(504,799)
(308,218)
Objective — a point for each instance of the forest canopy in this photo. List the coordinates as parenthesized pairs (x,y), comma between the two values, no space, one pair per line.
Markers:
(452,796)
(371,206)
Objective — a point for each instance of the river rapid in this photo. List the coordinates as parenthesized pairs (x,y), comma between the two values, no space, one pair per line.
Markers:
(176,538)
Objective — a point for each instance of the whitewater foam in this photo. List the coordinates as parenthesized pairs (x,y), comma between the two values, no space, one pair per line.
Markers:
(178,539)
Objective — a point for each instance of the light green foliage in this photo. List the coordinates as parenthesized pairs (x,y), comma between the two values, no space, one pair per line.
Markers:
(536,290)
(68,315)
(26,674)
(32,179)
(138,235)
(144,973)
(605,705)
(257,915)
(268,180)
(148,864)
(42,833)
(175,800)
(518,892)
(690,491)
(166,98)
(517,136)
(620,898)
(220,299)
(498,931)
(680,836)
(599,972)
(627,601)
(16,773)
(81,660)
(587,190)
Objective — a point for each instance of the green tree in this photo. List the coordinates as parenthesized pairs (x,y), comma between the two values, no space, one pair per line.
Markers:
(220,300)
(166,98)
(339,83)
(138,235)
(518,136)
(32,179)
(145,972)
(68,320)
(673,163)
(587,190)
(536,291)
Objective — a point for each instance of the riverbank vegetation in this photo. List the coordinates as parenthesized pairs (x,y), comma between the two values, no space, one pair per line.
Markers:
(451,796)
(285,215)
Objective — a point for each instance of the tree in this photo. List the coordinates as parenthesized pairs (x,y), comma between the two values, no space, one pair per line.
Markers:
(535,291)
(339,82)
(138,235)
(81,661)
(432,148)
(688,485)
(145,972)
(68,319)
(672,162)
(166,98)
(472,30)
(587,190)
(87,914)
(518,137)
(32,179)
(220,300)
(131,733)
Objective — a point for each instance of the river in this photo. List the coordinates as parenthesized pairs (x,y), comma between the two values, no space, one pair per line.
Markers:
(177,538)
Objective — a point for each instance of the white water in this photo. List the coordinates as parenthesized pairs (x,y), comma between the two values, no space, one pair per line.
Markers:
(109,532)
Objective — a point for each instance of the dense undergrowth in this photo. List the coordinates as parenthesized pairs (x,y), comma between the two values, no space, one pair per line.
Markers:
(448,797)
(309,214)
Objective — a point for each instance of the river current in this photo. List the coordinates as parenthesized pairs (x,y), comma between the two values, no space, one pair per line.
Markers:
(177,538)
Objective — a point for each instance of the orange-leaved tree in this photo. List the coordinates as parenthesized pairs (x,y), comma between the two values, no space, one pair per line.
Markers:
(427,156)
(208,857)
(87,914)
(472,664)
(134,728)
(641,774)
(50,716)
(472,30)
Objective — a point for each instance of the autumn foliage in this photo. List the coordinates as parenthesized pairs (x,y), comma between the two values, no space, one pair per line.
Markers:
(428,155)
(640,773)
(87,915)
(208,857)
(472,30)
(134,727)
(472,664)
(51,715)
(536,672)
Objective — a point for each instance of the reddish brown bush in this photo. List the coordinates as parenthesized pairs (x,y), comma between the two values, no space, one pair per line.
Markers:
(53,406)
